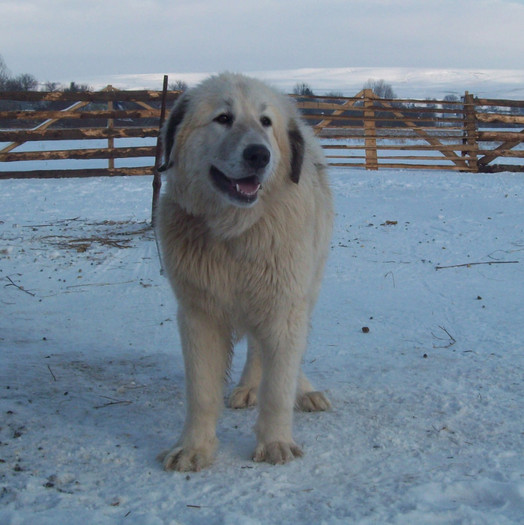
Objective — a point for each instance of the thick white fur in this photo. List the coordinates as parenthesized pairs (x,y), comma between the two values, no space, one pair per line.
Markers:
(243,270)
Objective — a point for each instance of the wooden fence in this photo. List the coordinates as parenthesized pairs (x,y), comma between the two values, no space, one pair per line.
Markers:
(470,135)
(107,118)
(464,135)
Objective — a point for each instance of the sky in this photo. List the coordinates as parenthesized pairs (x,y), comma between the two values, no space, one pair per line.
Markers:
(65,40)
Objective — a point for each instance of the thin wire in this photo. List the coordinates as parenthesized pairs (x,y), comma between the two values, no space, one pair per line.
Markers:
(159,253)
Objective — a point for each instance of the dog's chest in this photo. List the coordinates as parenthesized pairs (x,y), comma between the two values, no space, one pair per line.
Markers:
(236,271)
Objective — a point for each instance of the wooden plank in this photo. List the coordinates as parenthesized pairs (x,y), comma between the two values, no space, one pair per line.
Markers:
(357,134)
(329,106)
(422,147)
(402,166)
(110,140)
(428,122)
(347,164)
(499,102)
(413,157)
(76,134)
(500,136)
(425,167)
(80,154)
(498,117)
(81,173)
(398,147)
(345,156)
(72,114)
(89,96)
(157,176)
(370,141)
(470,143)
(515,154)
(497,168)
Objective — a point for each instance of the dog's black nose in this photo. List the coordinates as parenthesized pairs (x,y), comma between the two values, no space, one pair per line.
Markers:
(257,156)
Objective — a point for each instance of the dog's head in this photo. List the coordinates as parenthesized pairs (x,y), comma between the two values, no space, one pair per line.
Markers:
(230,137)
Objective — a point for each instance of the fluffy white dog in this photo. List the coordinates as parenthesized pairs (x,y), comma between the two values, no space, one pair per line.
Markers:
(245,225)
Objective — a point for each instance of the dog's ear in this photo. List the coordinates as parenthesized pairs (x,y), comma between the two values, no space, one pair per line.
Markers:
(169,129)
(296,143)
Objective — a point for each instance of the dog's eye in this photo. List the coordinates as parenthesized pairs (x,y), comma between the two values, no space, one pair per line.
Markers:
(265,121)
(226,119)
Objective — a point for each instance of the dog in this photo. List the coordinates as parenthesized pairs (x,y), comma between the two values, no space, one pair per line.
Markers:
(244,225)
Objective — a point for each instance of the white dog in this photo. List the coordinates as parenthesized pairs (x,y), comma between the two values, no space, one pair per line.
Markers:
(245,225)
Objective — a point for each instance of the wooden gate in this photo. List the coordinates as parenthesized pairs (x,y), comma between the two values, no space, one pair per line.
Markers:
(464,135)
(468,135)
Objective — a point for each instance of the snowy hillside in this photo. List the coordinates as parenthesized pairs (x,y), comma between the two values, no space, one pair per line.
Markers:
(406,82)
(427,419)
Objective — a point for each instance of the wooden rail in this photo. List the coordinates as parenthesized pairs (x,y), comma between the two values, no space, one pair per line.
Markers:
(470,135)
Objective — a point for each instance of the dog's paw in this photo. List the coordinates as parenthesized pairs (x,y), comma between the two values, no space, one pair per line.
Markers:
(185,459)
(277,452)
(313,402)
(243,397)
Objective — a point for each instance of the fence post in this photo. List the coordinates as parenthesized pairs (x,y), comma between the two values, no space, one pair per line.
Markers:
(110,139)
(470,132)
(157,178)
(370,132)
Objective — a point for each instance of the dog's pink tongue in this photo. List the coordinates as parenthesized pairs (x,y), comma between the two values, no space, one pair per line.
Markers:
(247,186)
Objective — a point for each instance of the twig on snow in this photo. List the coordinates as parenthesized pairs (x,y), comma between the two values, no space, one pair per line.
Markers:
(452,340)
(51,372)
(97,284)
(475,264)
(62,221)
(113,402)
(21,288)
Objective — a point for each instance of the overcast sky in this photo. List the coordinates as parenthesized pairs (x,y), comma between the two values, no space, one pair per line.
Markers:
(63,40)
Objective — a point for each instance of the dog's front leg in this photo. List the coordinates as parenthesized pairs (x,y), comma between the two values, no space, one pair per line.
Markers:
(206,345)
(282,352)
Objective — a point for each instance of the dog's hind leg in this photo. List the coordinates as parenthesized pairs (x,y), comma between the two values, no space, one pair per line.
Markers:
(308,399)
(245,393)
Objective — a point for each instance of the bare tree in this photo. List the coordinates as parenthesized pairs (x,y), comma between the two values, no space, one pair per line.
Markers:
(77,88)
(51,86)
(177,85)
(334,94)
(303,89)
(4,73)
(23,82)
(381,88)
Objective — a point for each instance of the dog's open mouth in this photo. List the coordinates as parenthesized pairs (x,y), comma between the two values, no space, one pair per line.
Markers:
(243,190)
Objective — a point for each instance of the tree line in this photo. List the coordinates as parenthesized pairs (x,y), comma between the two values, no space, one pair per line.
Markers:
(28,82)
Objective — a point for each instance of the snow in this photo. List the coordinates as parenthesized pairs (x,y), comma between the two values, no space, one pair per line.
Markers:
(427,419)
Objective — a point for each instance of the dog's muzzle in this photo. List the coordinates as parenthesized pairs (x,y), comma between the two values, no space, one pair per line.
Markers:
(244,191)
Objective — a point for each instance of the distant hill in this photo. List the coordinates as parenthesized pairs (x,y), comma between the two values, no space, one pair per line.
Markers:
(406,82)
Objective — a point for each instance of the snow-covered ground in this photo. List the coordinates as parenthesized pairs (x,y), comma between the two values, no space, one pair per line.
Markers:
(427,423)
